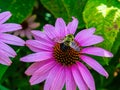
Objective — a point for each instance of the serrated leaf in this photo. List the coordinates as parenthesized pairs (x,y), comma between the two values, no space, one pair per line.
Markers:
(66,9)
(116,44)
(19,9)
(104,15)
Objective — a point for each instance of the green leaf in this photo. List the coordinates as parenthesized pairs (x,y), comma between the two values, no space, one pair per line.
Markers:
(66,9)
(104,15)
(3,69)
(3,88)
(118,66)
(19,9)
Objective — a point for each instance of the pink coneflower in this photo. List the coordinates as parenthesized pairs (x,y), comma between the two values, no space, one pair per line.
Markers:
(5,38)
(59,57)
(27,26)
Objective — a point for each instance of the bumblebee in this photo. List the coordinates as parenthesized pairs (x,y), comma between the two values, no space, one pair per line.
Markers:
(68,42)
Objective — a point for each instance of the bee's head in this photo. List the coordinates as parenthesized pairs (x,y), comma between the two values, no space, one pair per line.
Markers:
(69,38)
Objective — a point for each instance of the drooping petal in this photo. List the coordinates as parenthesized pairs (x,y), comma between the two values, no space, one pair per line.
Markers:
(97,51)
(84,34)
(60,27)
(94,64)
(4,59)
(78,78)
(39,45)
(51,63)
(70,82)
(50,31)
(35,66)
(94,39)
(72,26)
(8,27)
(11,39)
(4,16)
(38,78)
(7,50)
(42,73)
(59,79)
(51,77)
(22,33)
(16,33)
(36,57)
(86,76)
(29,34)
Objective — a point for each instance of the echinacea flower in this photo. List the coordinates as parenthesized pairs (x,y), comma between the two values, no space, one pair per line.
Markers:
(59,57)
(5,38)
(27,26)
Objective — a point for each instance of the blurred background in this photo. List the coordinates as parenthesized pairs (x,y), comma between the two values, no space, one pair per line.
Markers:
(104,15)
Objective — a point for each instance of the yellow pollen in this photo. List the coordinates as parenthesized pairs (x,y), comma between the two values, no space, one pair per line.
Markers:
(65,54)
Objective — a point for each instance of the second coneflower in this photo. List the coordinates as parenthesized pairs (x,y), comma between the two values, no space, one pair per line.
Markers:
(28,25)
(59,57)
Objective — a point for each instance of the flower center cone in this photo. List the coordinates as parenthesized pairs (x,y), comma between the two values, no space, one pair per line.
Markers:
(65,54)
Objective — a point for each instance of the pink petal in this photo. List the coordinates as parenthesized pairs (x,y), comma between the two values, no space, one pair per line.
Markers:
(60,27)
(4,59)
(34,49)
(95,65)
(29,34)
(41,36)
(8,27)
(84,34)
(31,18)
(11,39)
(7,50)
(38,78)
(44,68)
(36,57)
(50,31)
(78,78)
(86,76)
(91,40)
(72,26)
(70,82)
(51,77)
(34,25)
(22,33)
(16,33)
(35,66)
(39,45)
(97,51)
(42,73)
(4,16)
(59,80)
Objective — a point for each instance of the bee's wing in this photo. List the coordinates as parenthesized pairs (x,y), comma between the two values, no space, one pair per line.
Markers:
(75,46)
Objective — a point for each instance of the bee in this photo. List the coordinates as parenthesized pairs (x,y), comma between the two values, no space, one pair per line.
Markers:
(68,42)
